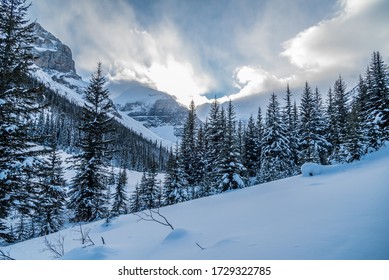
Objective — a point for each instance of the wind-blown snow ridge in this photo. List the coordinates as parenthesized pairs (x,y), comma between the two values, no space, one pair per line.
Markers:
(338,215)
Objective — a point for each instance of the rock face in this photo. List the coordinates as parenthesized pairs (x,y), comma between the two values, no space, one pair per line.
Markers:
(51,53)
(151,107)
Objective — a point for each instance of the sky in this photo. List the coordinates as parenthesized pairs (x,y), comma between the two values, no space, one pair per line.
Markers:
(222,48)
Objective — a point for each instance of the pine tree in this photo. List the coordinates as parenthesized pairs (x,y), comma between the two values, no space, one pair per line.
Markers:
(188,154)
(360,113)
(250,152)
(377,82)
(340,118)
(120,204)
(276,158)
(231,169)
(52,194)
(175,186)
(200,167)
(291,127)
(259,127)
(136,204)
(18,100)
(214,135)
(150,193)
(87,192)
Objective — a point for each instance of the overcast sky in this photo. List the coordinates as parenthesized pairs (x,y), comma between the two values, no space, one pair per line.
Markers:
(234,48)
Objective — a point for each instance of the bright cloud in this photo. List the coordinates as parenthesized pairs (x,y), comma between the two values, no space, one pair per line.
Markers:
(235,48)
(111,33)
(344,41)
(254,80)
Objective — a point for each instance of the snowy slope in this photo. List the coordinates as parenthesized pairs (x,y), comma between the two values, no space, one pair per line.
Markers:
(73,89)
(340,214)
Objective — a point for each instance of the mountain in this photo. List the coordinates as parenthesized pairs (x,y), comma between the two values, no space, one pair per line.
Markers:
(55,68)
(156,110)
(338,214)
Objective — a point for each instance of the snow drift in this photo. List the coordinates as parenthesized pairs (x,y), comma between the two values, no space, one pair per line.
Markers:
(342,214)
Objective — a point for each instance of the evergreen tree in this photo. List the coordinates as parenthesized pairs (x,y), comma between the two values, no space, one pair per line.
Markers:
(150,193)
(231,169)
(136,204)
(87,192)
(360,113)
(175,186)
(250,150)
(200,167)
(52,194)
(291,127)
(259,127)
(340,118)
(214,137)
(377,82)
(188,154)
(276,158)
(18,100)
(120,204)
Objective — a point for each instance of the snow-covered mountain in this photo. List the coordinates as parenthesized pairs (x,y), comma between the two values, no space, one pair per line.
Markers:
(55,67)
(341,213)
(156,110)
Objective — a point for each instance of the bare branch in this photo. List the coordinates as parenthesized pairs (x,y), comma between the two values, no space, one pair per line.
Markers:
(56,248)
(202,248)
(85,239)
(150,217)
(5,256)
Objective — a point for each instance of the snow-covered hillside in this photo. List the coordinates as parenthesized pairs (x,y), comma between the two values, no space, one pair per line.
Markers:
(73,89)
(340,214)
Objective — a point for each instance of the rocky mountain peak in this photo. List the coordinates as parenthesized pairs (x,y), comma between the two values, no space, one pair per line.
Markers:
(51,53)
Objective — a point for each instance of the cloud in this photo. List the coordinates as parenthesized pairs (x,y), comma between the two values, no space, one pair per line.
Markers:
(343,42)
(254,80)
(109,31)
(340,44)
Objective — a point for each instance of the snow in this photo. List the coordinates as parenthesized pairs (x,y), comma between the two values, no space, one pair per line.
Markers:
(342,214)
(73,91)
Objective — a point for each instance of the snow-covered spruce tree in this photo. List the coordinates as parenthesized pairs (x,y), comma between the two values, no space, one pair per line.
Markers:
(276,158)
(377,83)
(320,124)
(260,128)
(87,189)
(188,155)
(250,151)
(291,127)
(231,168)
(360,112)
(214,135)
(355,140)
(52,194)
(175,186)
(18,100)
(150,193)
(313,144)
(136,204)
(339,120)
(200,172)
(121,202)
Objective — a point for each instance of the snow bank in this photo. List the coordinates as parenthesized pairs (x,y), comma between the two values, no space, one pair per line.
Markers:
(311,169)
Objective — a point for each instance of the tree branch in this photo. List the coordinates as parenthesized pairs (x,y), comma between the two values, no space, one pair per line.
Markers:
(149,217)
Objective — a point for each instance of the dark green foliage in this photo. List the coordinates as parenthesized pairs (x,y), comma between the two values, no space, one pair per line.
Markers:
(87,190)
(120,200)
(18,101)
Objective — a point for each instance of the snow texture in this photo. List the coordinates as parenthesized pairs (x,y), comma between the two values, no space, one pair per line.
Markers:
(341,214)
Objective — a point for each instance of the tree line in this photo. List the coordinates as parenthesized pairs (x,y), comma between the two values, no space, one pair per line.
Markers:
(224,154)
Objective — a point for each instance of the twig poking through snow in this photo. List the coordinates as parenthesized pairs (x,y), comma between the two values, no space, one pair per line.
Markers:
(151,218)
